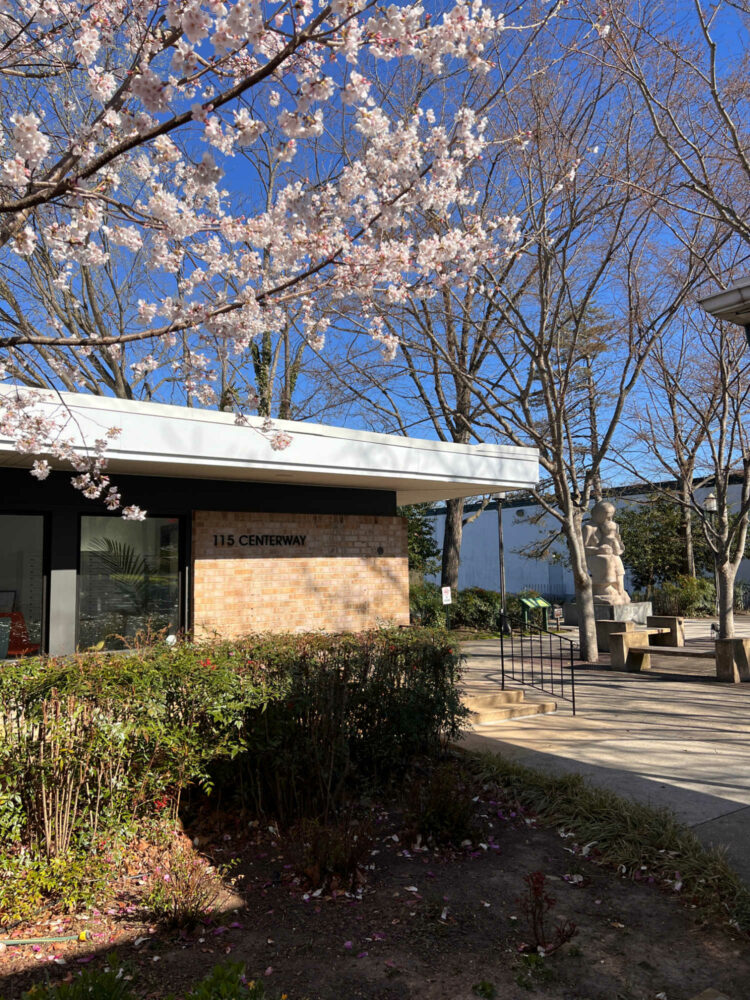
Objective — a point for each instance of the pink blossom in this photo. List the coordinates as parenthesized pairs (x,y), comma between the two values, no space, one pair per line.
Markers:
(87,45)
(126,236)
(133,513)
(40,469)
(280,440)
(14,171)
(25,242)
(101,84)
(31,144)
(195,23)
(151,90)
(218,260)
(112,499)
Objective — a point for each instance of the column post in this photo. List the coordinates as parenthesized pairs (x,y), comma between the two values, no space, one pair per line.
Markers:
(63,583)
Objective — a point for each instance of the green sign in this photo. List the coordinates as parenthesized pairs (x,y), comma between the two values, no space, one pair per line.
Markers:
(535,602)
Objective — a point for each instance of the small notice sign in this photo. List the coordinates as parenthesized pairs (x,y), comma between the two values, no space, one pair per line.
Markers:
(447,599)
(557,612)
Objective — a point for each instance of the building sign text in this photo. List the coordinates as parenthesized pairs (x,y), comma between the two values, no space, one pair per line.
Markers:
(229,540)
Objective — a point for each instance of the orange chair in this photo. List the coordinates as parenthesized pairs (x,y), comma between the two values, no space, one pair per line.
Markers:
(19,644)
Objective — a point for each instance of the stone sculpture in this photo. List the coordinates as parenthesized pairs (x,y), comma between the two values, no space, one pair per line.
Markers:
(603,545)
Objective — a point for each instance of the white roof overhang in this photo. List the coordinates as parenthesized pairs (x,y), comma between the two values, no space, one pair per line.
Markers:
(732,304)
(177,441)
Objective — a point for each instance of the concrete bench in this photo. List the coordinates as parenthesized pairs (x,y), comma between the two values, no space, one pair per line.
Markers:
(606,628)
(632,652)
(671,627)
(667,630)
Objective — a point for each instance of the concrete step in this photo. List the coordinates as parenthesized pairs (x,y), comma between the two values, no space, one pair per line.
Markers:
(493,699)
(487,709)
(514,712)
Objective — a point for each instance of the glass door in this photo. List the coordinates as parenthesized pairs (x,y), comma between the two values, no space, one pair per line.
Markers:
(21,584)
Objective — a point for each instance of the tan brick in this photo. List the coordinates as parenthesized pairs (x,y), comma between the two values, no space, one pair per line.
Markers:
(337,581)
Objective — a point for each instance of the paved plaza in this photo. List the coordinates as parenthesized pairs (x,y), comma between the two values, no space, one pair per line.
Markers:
(672,737)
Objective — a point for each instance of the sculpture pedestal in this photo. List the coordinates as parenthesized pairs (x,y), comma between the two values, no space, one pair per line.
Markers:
(636,611)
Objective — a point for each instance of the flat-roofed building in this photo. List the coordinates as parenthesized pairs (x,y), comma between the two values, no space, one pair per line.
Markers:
(239,537)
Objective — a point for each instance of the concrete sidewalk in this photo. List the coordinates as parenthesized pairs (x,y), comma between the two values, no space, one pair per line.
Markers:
(666,738)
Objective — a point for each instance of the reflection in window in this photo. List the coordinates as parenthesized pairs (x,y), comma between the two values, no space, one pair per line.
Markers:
(21,583)
(129,579)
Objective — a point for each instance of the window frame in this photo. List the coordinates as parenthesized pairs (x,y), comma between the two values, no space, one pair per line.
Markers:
(183,521)
(46,552)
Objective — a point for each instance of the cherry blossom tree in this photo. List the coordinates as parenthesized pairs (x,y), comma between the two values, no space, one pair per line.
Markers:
(122,127)
(93,302)
(280,369)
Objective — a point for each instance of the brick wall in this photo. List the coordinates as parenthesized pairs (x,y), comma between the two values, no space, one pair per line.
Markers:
(297,572)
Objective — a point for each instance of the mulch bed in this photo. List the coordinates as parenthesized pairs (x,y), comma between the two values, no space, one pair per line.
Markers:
(420,922)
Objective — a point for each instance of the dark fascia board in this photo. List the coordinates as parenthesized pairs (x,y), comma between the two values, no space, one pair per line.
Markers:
(19,491)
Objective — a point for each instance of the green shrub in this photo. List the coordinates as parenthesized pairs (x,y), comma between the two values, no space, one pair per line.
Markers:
(11,817)
(28,883)
(472,608)
(91,984)
(227,982)
(694,597)
(88,743)
(686,595)
(426,605)
(516,609)
(479,609)
(357,709)
(184,888)
(92,744)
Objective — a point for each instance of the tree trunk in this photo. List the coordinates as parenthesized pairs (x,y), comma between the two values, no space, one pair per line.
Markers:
(454,512)
(584,592)
(687,527)
(725,576)
(687,524)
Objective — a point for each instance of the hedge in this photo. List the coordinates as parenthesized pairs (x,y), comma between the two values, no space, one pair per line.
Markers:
(90,743)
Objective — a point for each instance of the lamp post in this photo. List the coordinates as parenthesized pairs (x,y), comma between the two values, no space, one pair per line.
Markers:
(732,305)
(501,558)
(710,507)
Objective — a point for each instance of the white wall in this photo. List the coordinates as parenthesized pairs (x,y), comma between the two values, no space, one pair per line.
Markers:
(480,562)
(551,576)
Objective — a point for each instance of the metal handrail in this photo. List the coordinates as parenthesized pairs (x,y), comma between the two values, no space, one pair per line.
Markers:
(531,648)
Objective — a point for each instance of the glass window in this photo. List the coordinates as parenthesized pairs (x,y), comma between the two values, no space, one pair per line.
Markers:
(21,583)
(129,579)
